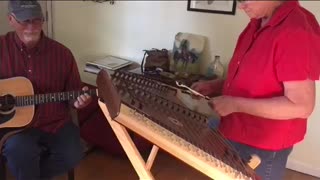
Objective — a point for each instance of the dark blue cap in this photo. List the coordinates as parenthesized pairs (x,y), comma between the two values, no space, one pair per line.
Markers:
(25,10)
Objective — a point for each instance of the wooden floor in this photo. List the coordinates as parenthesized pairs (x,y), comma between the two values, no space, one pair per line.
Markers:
(100,166)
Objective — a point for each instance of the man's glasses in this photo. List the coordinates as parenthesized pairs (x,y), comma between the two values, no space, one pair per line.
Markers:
(36,21)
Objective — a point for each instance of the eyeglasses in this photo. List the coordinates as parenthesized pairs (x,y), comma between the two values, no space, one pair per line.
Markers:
(36,21)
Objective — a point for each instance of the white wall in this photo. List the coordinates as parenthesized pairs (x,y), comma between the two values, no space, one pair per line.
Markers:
(4,27)
(127,28)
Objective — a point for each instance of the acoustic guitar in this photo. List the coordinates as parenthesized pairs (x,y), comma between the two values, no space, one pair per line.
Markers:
(17,103)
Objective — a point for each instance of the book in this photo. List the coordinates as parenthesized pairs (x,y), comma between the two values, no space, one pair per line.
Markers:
(110,62)
(92,69)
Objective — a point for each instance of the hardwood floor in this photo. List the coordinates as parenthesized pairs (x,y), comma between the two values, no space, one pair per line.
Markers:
(100,166)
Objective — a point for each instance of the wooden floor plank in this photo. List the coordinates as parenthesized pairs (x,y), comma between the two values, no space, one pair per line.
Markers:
(100,166)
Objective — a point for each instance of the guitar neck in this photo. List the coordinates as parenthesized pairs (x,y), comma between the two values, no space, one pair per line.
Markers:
(51,97)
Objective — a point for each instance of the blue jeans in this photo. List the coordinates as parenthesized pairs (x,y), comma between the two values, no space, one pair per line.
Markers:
(34,154)
(273,163)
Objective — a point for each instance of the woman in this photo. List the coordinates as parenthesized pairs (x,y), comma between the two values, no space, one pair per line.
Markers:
(269,91)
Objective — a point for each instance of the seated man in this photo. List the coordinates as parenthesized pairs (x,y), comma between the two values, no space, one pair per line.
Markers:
(51,68)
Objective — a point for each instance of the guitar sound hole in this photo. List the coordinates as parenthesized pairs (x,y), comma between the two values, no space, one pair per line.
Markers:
(7,103)
(7,108)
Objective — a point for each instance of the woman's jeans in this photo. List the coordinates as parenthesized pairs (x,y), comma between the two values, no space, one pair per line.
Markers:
(273,163)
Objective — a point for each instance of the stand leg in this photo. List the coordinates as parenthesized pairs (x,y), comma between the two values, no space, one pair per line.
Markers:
(152,156)
(132,152)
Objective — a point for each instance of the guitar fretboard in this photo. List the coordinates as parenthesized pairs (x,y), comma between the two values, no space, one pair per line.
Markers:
(50,97)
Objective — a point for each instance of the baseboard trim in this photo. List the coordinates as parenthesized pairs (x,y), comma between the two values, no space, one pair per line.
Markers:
(303,168)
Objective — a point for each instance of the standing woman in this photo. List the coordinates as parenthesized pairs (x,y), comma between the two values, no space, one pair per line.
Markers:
(269,91)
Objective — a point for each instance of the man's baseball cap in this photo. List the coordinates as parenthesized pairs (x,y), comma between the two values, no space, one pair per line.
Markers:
(25,10)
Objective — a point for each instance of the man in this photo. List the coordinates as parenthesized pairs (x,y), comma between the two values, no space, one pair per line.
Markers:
(51,68)
(269,91)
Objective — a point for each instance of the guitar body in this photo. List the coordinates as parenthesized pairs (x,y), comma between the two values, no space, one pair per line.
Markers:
(17,104)
(19,117)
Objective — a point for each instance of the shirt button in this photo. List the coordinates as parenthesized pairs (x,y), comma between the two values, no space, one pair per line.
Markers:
(29,70)
(21,49)
(238,62)
(228,84)
(29,56)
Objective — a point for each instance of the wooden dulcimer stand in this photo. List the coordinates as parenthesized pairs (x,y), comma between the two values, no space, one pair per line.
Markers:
(142,168)
(125,114)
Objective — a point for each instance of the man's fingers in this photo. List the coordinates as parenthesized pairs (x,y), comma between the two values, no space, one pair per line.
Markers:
(79,100)
(85,88)
(76,104)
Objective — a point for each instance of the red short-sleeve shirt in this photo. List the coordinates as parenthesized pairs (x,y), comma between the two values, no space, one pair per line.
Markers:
(286,49)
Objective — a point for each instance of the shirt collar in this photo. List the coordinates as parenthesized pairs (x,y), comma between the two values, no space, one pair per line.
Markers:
(280,14)
(283,11)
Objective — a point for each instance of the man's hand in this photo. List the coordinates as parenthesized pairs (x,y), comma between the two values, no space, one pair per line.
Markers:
(223,105)
(83,100)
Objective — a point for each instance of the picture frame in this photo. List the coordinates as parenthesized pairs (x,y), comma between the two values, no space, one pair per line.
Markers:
(213,6)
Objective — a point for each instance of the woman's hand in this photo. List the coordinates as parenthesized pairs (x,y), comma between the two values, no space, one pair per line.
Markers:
(223,105)
(208,88)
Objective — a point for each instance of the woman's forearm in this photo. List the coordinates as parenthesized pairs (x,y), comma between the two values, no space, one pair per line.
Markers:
(273,108)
